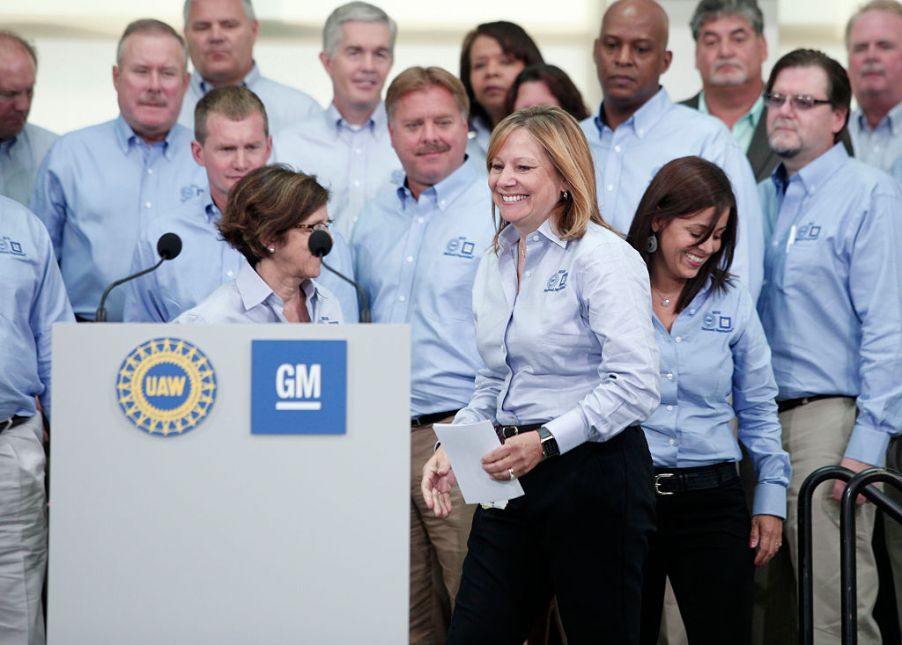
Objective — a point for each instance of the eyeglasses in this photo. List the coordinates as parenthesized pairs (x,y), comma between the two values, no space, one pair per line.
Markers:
(801,103)
(319,226)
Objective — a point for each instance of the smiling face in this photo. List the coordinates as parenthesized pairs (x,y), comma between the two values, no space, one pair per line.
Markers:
(359,66)
(729,52)
(875,58)
(429,133)
(682,251)
(525,186)
(220,40)
(150,81)
(492,72)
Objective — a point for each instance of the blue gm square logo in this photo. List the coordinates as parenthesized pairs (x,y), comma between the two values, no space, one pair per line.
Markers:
(299,386)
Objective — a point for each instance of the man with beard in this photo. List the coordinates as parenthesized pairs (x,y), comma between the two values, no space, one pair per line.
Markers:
(831,307)
(347,147)
(22,145)
(416,249)
(99,185)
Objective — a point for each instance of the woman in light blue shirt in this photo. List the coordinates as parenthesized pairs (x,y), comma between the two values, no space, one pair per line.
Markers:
(563,326)
(270,215)
(715,365)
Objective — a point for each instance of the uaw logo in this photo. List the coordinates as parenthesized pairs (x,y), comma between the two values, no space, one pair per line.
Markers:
(716,321)
(166,386)
(298,386)
(11,247)
(557,281)
(808,232)
(460,247)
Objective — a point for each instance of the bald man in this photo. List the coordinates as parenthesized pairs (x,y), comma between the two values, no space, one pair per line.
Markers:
(637,129)
(22,144)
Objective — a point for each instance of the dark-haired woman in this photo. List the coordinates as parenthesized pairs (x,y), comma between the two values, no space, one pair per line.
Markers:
(715,365)
(269,218)
(549,85)
(491,57)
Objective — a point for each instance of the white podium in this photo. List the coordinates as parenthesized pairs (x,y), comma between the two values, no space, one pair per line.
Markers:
(212,534)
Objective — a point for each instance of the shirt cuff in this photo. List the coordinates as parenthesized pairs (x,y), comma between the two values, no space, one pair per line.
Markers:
(770,499)
(568,430)
(868,445)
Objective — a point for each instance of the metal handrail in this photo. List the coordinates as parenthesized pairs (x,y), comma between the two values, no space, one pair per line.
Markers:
(806,493)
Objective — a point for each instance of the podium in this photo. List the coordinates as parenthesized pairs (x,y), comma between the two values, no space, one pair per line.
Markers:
(182,513)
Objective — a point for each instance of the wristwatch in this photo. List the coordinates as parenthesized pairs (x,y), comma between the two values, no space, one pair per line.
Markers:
(549,443)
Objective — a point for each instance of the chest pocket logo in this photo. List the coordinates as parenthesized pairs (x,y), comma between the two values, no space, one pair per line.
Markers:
(557,282)
(11,247)
(460,247)
(190,191)
(716,321)
(808,232)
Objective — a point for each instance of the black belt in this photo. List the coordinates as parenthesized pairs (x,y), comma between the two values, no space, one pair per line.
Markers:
(679,480)
(429,419)
(12,422)
(506,432)
(792,404)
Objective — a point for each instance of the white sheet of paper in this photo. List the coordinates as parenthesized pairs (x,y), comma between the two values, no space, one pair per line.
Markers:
(466,444)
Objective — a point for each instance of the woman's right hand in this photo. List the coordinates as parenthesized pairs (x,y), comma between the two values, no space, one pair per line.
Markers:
(438,480)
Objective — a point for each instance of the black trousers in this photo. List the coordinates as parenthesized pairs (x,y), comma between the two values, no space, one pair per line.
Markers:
(702,545)
(581,533)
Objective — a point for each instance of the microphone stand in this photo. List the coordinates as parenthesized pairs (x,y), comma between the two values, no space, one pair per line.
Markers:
(362,300)
(100,315)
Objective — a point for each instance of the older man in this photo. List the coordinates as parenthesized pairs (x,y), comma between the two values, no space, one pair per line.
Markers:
(22,144)
(638,129)
(99,185)
(348,146)
(874,45)
(416,249)
(34,299)
(831,308)
(221,36)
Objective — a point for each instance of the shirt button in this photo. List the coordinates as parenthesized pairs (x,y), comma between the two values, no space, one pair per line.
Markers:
(528,273)
(535,238)
(616,148)
(610,187)
(147,204)
(358,150)
(678,339)
(672,442)
(150,171)
(420,220)
(669,376)
(640,131)
(402,298)
(230,273)
(443,203)
(410,258)
(356,183)
(669,408)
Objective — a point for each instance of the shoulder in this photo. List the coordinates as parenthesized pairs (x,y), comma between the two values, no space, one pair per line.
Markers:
(603,249)
(222,306)
(39,136)
(20,229)
(694,126)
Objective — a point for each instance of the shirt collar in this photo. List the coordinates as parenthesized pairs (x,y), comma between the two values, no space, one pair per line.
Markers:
(643,119)
(7,144)
(252,289)
(211,210)
(126,137)
(893,120)
(753,115)
(202,86)
(377,125)
(509,235)
(816,174)
(443,194)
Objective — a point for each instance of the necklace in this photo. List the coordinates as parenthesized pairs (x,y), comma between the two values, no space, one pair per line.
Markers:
(663,300)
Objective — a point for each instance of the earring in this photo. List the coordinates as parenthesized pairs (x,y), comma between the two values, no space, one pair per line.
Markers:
(271,249)
(565,195)
(651,244)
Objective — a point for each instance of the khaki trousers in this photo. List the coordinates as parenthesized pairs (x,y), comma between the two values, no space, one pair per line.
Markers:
(437,550)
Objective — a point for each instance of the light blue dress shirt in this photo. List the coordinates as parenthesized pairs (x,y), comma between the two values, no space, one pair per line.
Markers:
(575,348)
(285,106)
(744,129)
(32,298)
(715,353)
(20,158)
(478,142)
(205,263)
(832,299)
(627,159)
(896,170)
(352,162)
(416,259)
(95,191)
(880,146)
(248,299)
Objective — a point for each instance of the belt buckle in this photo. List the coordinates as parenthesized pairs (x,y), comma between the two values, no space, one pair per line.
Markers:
(658,479)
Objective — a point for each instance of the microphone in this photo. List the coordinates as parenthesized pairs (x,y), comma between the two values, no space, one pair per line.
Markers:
(319,244)
(168,247)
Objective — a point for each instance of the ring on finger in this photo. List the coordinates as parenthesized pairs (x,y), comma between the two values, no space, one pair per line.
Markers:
(510,471)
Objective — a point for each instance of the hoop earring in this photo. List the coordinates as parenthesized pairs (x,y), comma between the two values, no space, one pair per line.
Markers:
(651,244)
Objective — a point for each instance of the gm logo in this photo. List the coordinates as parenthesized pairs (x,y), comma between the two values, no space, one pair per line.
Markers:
(808,233)
(557,282)
(298,386)
(716,321)
(459,247)
(9,246)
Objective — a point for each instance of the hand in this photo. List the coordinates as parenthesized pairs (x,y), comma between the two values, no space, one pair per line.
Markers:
(519,454)
(839,486)
(766,536)
(438,480)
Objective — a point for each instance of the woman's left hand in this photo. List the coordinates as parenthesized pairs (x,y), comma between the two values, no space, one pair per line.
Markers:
(767,537)
(519,455)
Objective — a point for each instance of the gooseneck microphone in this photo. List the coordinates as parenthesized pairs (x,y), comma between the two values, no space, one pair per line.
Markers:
(320,243)
(168,247)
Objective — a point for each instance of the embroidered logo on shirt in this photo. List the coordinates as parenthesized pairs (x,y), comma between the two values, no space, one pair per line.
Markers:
(808,232)
(10,247)
(557,281)
(192,190)
(715,321)
(460,247)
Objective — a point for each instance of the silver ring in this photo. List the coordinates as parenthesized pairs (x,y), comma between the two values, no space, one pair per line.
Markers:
(511,473)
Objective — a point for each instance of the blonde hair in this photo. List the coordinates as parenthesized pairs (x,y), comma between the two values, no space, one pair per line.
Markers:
(565,145)
(420,79)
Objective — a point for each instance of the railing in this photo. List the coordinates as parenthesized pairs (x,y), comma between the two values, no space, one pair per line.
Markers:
(858,484)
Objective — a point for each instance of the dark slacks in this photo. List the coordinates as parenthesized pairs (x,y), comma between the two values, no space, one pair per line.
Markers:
(580,532)
(701,543)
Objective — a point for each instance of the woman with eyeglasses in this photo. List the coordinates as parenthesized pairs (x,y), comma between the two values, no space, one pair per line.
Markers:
(269,218)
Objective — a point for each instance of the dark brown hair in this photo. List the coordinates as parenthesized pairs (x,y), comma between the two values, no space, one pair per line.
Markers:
(557,82)
(682,188)
(514,42)
(265,204)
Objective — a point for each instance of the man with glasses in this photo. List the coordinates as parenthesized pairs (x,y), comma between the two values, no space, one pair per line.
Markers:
(831,307)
